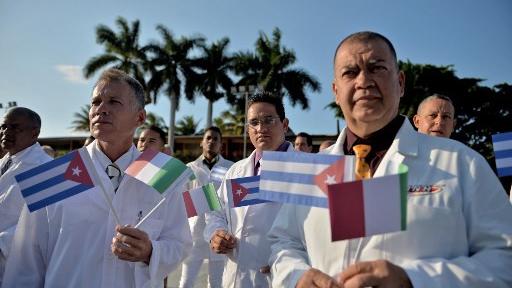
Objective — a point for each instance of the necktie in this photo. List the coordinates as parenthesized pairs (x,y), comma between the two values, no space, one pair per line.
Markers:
(362,168)
(6,166)
(114,173)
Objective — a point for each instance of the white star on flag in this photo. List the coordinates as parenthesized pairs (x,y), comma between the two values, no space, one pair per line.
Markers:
(239,192)
(76,171)
(330,179)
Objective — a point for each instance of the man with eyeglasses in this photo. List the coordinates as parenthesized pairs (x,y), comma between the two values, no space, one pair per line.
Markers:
(18,137)
(241,232)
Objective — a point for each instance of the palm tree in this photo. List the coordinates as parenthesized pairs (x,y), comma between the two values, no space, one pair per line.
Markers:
(231,122)
(337,113)
(270,68)
(122,51)
(154,120)
(187,126)
(81,122)
(170,67)
(214,66)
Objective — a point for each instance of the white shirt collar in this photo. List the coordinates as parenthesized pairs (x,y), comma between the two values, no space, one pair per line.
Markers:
(122,162)
(16,157)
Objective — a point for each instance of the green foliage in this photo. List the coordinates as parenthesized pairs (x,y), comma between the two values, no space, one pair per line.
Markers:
(81,121)
(270,67)
(122,51)
(231,122)
(187,126)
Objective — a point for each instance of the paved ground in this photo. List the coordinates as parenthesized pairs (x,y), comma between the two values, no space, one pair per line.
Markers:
(174,278)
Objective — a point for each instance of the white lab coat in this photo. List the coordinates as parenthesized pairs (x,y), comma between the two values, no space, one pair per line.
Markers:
(67,244)
(253,249)
(458,237)
(200,249)
(11,201)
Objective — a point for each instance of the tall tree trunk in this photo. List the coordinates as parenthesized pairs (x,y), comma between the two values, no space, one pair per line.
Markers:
(209,114)
(172,119)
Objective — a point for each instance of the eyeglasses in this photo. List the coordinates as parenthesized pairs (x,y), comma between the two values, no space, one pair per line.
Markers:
(265,121)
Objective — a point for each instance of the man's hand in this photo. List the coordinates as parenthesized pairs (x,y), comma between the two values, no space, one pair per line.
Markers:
(222,242)
(380,273)
(131,244)
(316,278)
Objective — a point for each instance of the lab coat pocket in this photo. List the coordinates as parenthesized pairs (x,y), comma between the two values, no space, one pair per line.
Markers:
(432,231)
(152,227)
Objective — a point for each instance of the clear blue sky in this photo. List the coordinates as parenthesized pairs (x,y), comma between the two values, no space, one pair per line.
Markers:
(44,43)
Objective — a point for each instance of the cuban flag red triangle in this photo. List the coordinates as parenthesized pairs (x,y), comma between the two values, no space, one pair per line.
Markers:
(239,192)
(77,172)
(331,175)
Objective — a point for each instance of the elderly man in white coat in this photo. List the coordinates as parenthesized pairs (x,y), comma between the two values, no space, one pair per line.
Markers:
(459,228)
(209,167)
(76,242)
(18,137)
(241,232)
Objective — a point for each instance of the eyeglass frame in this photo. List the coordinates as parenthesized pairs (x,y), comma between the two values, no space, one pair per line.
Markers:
(267,121)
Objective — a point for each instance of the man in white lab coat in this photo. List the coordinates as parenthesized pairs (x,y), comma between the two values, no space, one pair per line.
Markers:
(19,130)
(459,228)
(241,232)
(76,242)
(209,167)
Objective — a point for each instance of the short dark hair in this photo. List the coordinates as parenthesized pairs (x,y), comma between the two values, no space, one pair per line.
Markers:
(268,97)
(308,137)
(213,129)
(366,36)
(32,116)
(158,130)
(113,75)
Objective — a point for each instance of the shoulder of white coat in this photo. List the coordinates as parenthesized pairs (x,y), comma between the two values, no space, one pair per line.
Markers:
(238,168)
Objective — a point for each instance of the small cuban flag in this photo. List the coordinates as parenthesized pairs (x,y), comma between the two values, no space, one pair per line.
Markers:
(502,144)
(244,191)
(302,178)
(56,180)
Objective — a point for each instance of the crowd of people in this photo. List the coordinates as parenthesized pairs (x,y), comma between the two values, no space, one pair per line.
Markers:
(458,234)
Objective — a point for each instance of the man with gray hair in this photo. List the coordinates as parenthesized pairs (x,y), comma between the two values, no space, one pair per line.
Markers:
(18,137)
(76,242)
(435,116)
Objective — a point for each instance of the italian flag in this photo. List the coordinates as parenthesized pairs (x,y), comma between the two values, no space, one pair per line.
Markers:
(160,171)
(368,207)
(201,200)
